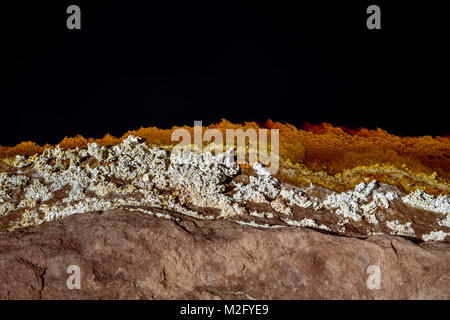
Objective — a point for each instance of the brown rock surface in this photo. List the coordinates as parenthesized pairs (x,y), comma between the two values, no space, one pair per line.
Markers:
(132,255)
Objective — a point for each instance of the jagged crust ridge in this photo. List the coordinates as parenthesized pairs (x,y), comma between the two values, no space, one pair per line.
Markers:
(134,176)
(336,158)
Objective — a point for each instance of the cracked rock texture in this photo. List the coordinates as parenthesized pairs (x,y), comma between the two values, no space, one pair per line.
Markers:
(133,255)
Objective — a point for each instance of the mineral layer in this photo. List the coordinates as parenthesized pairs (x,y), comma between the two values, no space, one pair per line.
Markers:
(143,220)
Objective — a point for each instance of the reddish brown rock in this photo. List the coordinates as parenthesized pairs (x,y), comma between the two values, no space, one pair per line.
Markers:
(131,255)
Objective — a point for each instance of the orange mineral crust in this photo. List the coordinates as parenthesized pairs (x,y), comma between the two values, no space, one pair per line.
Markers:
(334,157)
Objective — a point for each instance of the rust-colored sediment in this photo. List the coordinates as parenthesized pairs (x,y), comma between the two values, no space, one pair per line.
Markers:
(331,156)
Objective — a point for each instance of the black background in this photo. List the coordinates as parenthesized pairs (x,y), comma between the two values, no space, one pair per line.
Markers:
(278,309)
(163,63)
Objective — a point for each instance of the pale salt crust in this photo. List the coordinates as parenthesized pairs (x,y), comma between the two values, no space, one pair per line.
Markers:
(305,222)
(356,204)
(420,199)
(436,236)
(401,229)
(192,178)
